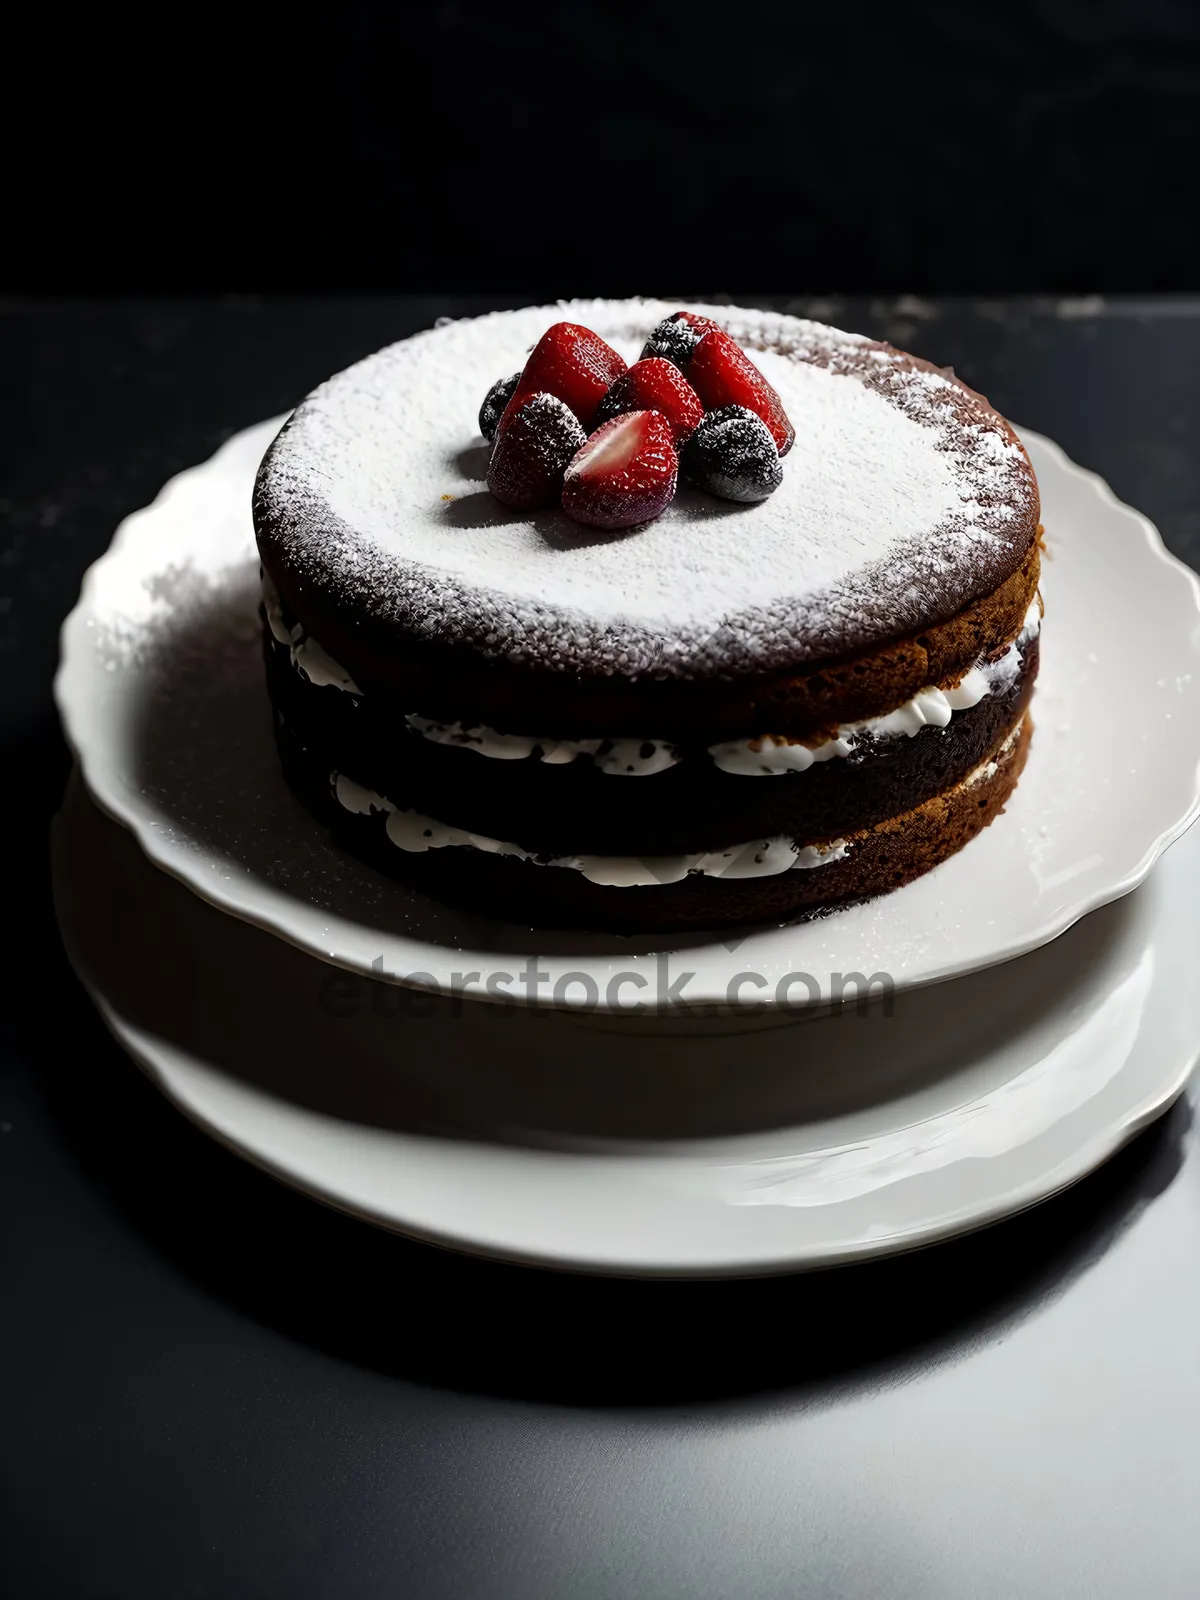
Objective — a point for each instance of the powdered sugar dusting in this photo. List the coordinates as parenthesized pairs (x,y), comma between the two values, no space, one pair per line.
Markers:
(902,500)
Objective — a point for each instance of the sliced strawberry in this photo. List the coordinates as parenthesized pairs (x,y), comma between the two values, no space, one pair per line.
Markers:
(624,474)
(529,455)
(655,385)
(676,337)
(573,363)
(722,374)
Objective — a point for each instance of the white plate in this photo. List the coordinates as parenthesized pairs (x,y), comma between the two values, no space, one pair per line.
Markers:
(609,1146)
(161,695)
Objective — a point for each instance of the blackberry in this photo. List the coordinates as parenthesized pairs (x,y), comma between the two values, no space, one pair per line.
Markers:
(673,340)
(732,454)
(494,404)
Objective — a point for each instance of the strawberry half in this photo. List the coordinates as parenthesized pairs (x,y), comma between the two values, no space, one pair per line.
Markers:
(655,385)
(722,374)
(529,455)
(572,363)
(624,474)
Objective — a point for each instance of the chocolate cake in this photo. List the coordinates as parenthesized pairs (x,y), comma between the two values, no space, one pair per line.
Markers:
(742,710)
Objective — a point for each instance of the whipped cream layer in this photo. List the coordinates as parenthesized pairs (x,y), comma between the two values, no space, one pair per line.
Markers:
(931,707)
(629,757)
(308,657)
(761,756)
(414,833)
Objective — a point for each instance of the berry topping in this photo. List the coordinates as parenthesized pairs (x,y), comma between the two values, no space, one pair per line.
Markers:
(624,474)
(572,363)
(677,336)
(732,454)
(655,385)
(530,452)
(722,374)
(495,401)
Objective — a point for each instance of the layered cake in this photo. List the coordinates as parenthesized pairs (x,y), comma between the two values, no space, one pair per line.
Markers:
(707,617)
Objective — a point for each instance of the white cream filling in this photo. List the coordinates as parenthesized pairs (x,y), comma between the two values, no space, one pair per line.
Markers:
(763,756)
(631,757)
(410,831)
(308,657)
(769,757)
(991,767)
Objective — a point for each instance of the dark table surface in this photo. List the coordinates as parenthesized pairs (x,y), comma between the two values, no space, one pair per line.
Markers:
(214,1387)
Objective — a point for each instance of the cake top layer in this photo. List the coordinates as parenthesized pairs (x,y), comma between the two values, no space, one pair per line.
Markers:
(904,498)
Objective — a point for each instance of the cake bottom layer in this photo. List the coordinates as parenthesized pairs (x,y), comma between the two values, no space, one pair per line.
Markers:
(512,888)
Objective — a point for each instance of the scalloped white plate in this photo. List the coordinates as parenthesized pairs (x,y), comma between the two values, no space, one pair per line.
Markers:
(161,697)
(745,1146)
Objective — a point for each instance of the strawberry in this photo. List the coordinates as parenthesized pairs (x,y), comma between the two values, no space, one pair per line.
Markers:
(655,385)
(529,455)
(676,337)
(624,474)
(572,363)
(722,374)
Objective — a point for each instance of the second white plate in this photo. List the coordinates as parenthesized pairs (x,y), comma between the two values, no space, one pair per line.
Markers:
(611,1146)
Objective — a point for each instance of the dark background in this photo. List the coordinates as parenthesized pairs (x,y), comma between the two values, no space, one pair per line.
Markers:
(216,1387)
(936,146)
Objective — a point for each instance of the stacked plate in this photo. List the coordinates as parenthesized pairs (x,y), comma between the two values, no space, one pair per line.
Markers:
(798,1096)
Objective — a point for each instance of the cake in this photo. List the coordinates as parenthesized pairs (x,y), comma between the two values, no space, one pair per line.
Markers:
(729,711)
